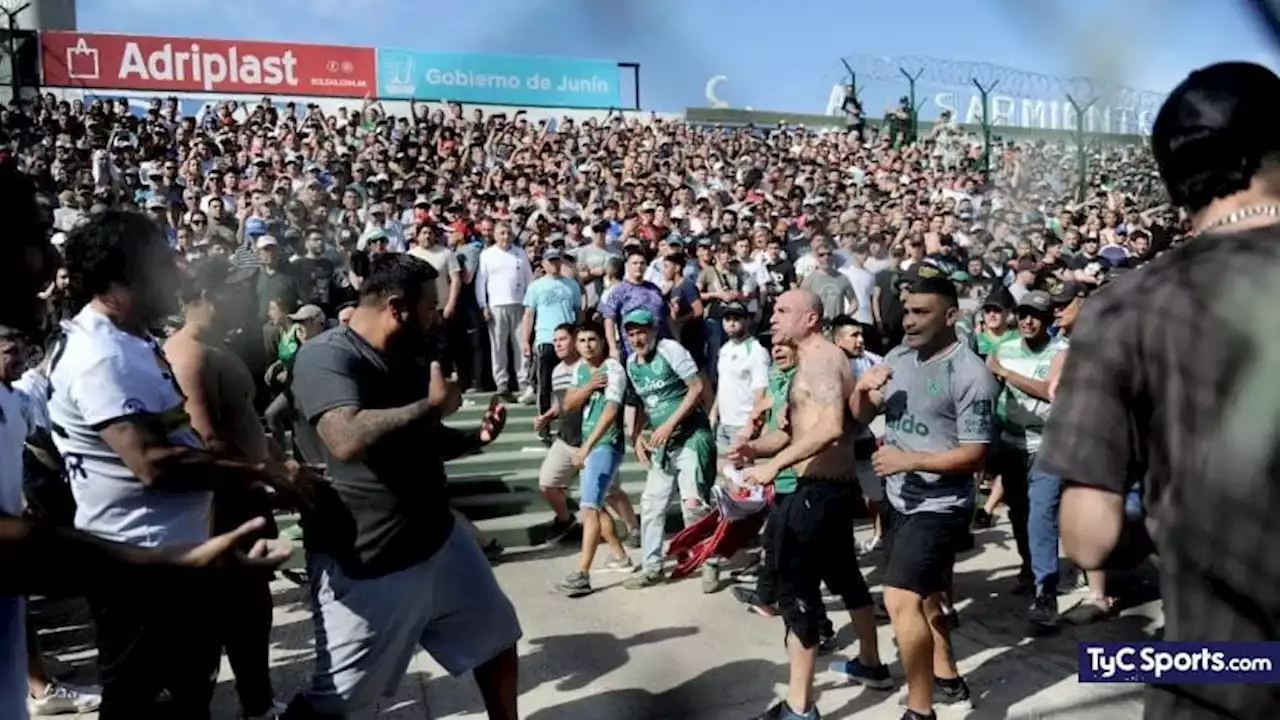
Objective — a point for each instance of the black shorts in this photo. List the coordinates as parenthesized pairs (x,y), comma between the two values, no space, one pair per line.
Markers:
(921,549)
(808,541)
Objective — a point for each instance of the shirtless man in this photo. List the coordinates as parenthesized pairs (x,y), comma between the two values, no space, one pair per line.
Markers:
(219,394)
(810,522)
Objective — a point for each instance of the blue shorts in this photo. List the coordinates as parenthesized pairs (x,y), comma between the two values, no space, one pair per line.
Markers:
(597,475)
(367,631)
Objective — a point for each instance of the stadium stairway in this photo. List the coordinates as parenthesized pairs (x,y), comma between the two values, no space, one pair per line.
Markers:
(498,487)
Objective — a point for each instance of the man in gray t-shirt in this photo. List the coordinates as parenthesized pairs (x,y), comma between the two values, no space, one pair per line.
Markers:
(830,285)
(934,406)
(939,420)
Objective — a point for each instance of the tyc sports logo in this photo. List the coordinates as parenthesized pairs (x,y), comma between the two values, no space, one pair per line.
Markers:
(907,424)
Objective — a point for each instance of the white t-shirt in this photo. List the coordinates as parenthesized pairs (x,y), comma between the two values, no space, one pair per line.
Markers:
(105,374)
(864,284)
(743,369)
(13,637)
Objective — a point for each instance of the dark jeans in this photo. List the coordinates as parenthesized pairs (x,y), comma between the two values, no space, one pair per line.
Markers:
(244,623)
(547,361)
(713,328)
(457,356)
(477,341)
(1014,467)
(154,637)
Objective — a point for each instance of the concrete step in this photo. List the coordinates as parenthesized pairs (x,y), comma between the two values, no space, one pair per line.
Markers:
(517,479)
(473,407)
(486,506)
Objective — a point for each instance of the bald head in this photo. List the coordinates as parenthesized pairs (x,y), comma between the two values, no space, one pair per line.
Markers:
(796,316)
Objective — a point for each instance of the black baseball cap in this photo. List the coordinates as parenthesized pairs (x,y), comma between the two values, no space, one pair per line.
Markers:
(1216,122)
(1062,293)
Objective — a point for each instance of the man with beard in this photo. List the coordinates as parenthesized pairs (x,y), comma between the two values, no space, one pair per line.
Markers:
(390,567)
(938,399)
(219,392)
(1023,365)
(138,471)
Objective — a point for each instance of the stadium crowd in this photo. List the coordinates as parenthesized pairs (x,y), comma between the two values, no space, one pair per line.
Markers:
(650,285)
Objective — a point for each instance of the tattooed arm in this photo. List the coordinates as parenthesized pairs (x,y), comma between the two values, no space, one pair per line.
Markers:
(325,390)
(818,406)
(349,431)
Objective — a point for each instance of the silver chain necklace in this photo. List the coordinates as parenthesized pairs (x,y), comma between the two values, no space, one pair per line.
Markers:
(1240,216)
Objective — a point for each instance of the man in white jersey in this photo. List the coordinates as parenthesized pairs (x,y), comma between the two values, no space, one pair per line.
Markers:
(136,467)
(743,372)
(848,335)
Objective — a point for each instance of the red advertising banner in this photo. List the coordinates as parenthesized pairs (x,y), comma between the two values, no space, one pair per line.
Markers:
(144,62)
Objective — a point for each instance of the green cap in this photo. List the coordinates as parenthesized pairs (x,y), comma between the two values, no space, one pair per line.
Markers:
(638,317)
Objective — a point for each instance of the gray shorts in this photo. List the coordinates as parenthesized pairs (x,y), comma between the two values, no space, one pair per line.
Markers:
(557,468)
(367,631)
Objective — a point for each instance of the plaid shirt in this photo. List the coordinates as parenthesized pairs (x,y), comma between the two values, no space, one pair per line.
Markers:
(1171,382)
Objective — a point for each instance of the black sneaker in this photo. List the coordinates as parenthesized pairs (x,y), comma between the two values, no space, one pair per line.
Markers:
(952,694)
(783,711)
(982,520)
(493,551)
(913,715)
(1044,611)
(751,599)
(876,678)
(559,529)
(947,693)
(1025,585)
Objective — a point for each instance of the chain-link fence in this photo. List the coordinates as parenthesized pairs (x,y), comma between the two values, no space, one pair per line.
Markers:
(916,89)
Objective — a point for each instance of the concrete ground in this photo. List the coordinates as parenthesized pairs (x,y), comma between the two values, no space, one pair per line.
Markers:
(673,652)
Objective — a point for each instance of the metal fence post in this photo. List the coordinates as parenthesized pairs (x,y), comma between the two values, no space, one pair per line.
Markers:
(984,92)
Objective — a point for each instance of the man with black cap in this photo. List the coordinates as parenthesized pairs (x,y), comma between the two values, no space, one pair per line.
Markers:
(743,369)
(1022,366)
(994,327)
(1196,436)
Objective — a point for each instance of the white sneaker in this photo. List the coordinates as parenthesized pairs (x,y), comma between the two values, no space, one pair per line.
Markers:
(528,397)
(61,699)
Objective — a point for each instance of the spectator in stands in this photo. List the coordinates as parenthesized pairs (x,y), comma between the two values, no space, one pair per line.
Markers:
(502,278)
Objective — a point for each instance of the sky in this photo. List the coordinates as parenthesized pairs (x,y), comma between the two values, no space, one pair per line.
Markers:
(774,55)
